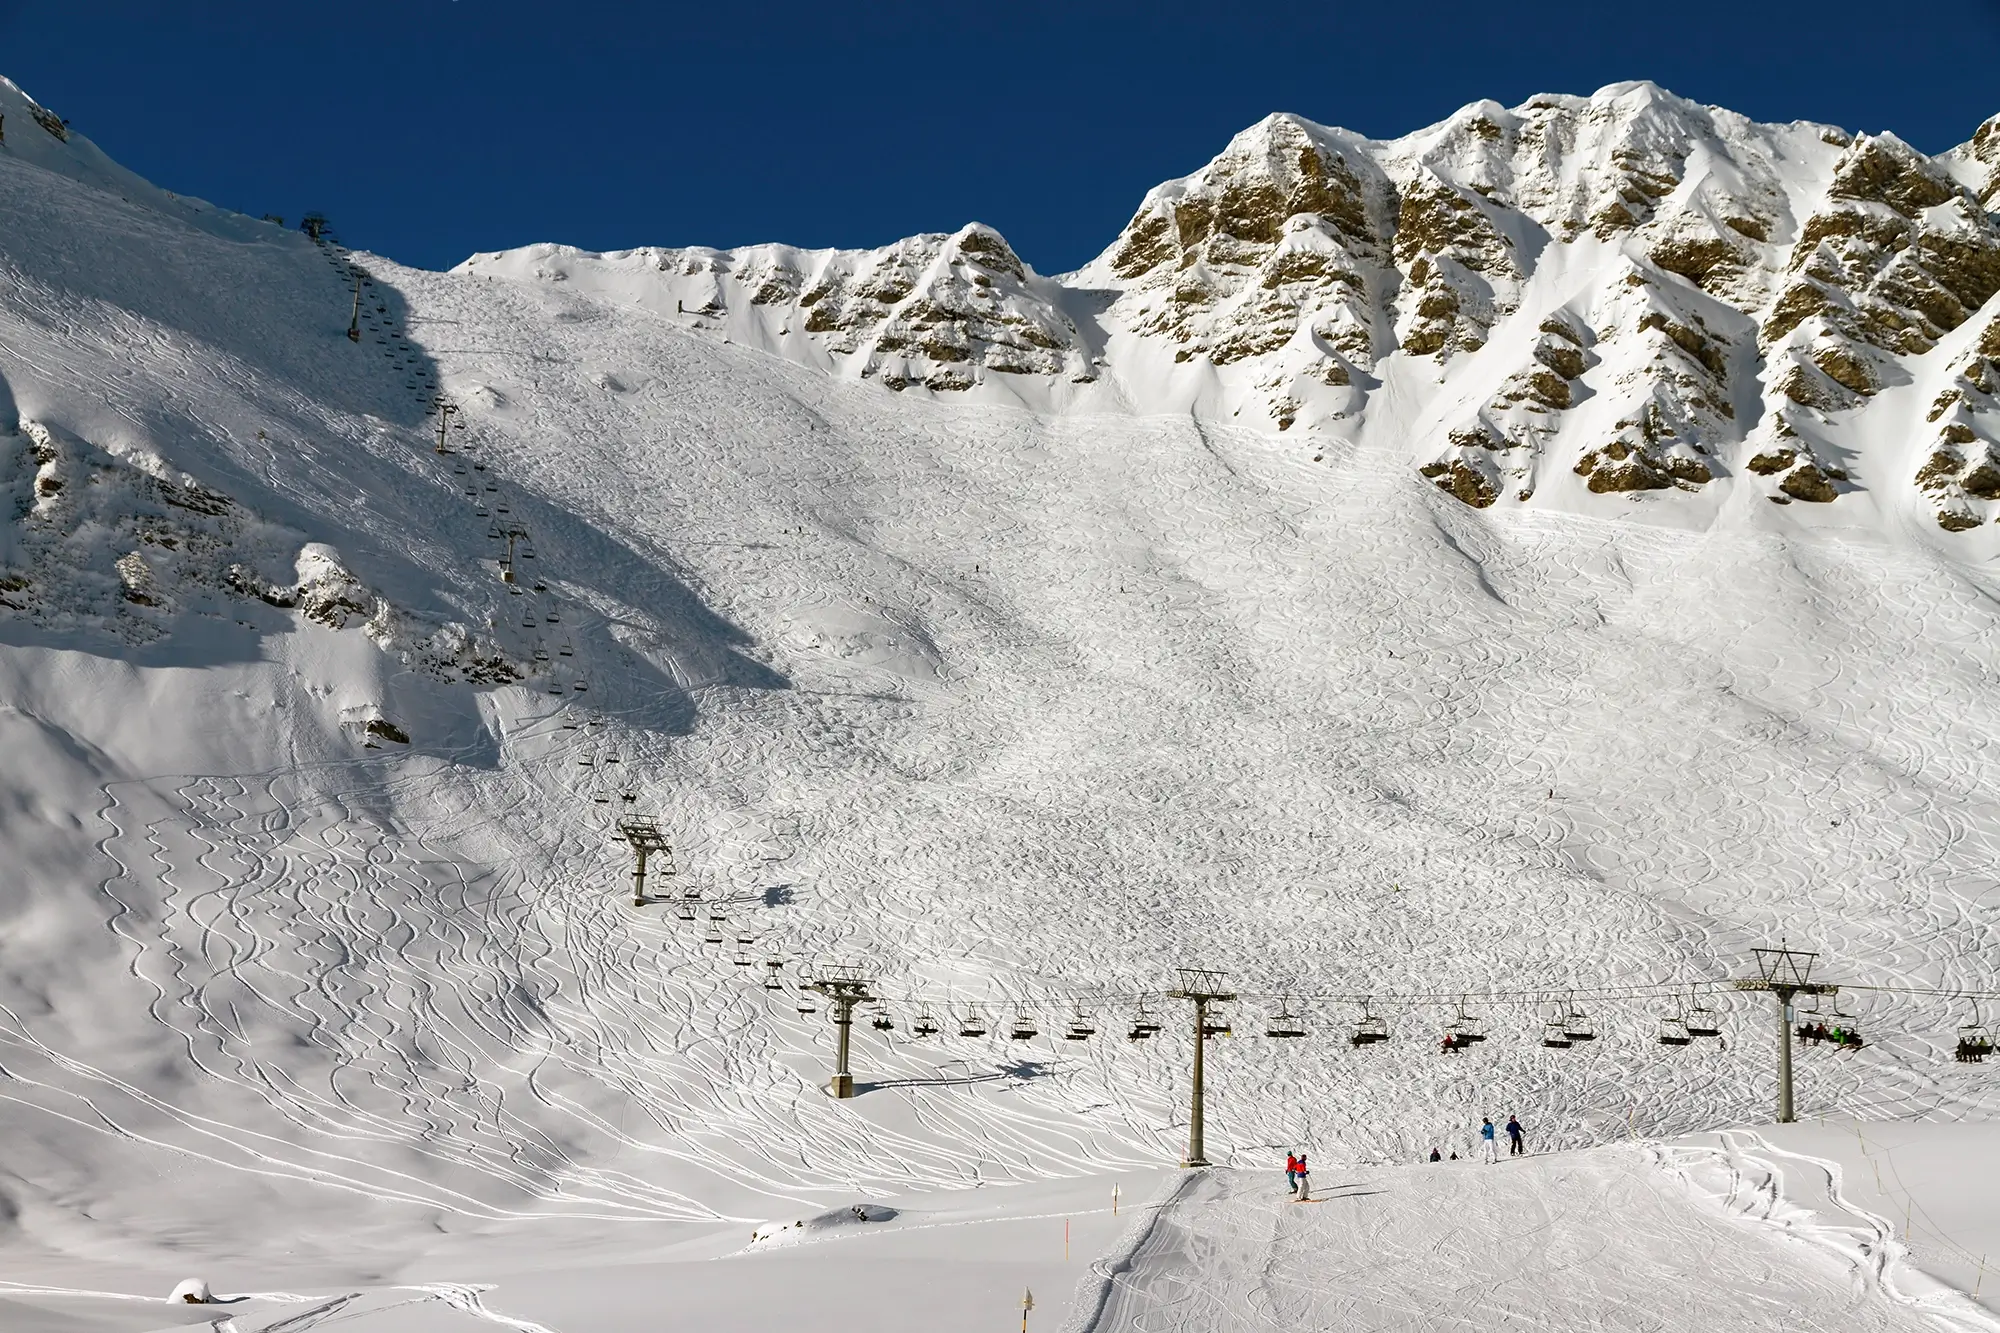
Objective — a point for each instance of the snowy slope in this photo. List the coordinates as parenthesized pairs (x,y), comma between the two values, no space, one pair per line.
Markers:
(1021,694)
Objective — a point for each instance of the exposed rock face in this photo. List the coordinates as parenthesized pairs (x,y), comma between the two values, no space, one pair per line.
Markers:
(1277,251)
(1564,302)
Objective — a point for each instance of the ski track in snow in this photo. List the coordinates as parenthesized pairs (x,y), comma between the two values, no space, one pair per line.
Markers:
(1598,1241)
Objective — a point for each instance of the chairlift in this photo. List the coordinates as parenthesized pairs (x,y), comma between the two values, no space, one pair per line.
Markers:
(1285,1024)
(972,1025)
(565,650)
(581,685)
(555,686)
(540,654)
(774,966)
(1674,1031)
(1576,1024)
(1216,1025)
(1702,1021)
(806,1007)
(1144,1026)
(540,586)
(713,935)
(1464,1029)
(743,958)
(1368,1029)
(1080,1027)
(879,1020)
(1975,1040)
(1023,1028)
(685,911)
(925,1026)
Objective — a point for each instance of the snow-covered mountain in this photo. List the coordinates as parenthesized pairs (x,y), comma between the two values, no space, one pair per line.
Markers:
(1363,579)
(1571,302)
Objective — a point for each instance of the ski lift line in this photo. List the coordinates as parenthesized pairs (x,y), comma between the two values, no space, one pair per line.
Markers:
(1420,999)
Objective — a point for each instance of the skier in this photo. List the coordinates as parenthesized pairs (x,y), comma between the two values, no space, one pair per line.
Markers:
(1488,1149)
(1436,1156)
(1515,1147)
(1305,1181)
(1292,1172)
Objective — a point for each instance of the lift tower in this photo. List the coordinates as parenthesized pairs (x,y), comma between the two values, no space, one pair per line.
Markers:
(1202,988)
(643,833)
(1784,973)
(846,987)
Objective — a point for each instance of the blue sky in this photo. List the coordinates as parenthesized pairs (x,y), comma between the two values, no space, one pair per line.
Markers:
(430,129)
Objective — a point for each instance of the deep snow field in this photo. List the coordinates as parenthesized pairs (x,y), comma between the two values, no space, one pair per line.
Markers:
(1015,710)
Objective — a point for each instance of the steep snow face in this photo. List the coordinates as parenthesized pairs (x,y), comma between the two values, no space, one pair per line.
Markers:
(1582,303)
(317,947)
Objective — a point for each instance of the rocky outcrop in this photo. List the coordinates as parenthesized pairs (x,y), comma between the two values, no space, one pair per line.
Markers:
(1278,244)
(120,544)
(1896,255)
(941,313)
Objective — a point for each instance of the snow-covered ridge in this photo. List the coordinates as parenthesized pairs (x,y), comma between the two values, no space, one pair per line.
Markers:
(1571,303)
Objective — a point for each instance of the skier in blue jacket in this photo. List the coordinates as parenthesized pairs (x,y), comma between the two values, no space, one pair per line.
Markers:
(1488,1149)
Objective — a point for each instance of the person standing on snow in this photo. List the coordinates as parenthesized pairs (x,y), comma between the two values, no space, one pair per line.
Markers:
(1488,1149)
(1515,1147)
(1305,1181)
(1292,1172)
